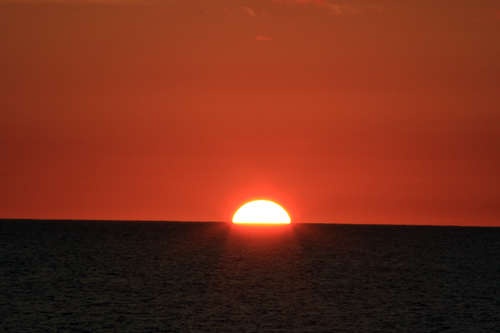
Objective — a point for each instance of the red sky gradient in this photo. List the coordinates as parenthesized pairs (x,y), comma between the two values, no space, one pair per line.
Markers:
(341,111)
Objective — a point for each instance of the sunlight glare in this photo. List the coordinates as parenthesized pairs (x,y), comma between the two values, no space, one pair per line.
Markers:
(261,211)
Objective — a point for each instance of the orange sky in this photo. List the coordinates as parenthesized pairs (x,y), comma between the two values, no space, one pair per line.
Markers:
(341,111)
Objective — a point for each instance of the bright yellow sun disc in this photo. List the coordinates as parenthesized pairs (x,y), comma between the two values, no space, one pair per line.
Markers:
(261,211)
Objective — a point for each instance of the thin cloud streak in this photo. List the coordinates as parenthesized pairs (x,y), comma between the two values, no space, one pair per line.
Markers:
(79,2)
(353,10)
(263,39)
(339,9)
(318,2)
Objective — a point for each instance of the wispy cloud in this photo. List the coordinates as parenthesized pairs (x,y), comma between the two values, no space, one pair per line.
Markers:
(249,11)
(318,2)
(79,2)
(338,9)
(495,17)
(353,10)
(263,39)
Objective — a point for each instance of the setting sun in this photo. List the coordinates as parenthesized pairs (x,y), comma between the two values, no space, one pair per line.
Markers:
(261,211)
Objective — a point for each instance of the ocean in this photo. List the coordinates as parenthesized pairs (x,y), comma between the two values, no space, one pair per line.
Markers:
(118,276)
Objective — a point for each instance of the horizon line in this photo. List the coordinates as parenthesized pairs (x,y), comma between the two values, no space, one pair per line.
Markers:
(229,222)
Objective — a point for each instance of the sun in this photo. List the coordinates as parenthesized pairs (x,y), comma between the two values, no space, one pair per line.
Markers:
(261,211)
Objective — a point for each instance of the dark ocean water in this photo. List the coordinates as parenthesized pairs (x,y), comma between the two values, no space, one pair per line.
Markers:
(81,276)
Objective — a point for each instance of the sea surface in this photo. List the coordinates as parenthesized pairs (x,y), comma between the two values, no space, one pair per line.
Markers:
(102,276)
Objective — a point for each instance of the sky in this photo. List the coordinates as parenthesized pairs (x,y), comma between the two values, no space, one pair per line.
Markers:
(341,111)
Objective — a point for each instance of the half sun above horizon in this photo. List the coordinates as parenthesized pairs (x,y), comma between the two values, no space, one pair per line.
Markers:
(261,211)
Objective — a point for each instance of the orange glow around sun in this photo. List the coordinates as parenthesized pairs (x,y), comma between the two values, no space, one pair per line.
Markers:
(261,211)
